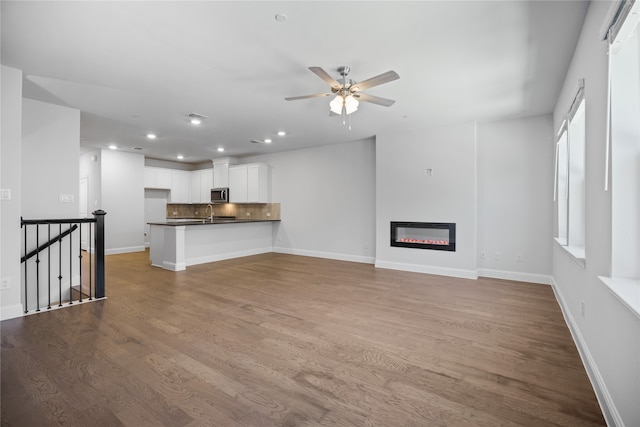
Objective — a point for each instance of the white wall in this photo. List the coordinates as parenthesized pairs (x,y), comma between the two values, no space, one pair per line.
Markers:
(122,177)
(90,167)
(404,193)
(327,197)
(515,198)
(608,335)
(49,169)
(10,160)
(50,153)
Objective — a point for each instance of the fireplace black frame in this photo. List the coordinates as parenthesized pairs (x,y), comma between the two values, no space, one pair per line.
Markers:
(451,226)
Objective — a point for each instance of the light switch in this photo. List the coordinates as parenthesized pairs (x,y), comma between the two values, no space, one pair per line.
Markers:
(5,194)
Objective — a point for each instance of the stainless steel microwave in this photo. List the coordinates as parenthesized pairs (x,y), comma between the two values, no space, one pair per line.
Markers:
(220,195)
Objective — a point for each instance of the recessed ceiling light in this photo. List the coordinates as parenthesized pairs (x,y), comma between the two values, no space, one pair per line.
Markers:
(151,136)
(220,149)
(113,147)
(180,156)
(267,141)
(195,121)
(281,133)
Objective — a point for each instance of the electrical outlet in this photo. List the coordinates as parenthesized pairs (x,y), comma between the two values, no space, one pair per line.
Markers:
(5,283)
(5,194)
(248,213)
(498,256)
(519,258)
(428,172)
(268,214)
(65,198)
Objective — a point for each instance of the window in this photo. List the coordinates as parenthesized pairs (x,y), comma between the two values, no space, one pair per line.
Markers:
(623,150)
(570,179)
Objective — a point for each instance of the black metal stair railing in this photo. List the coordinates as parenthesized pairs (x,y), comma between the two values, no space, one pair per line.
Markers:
(61,248)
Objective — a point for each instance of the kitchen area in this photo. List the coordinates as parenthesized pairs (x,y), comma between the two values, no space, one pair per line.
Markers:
(207,215)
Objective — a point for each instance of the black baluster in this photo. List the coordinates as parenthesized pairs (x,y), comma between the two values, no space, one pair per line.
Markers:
(49,267)
(80,257)
(38,268)
(90,260)
(26,282)
(60,264)
(70,267)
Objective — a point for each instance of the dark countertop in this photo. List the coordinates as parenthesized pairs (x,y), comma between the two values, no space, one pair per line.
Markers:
(206,221)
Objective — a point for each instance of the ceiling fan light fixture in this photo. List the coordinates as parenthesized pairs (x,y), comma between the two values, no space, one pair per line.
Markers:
(351,104)
(336,104)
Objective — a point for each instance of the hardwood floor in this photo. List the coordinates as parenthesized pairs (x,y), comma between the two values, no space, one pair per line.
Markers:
(296,341)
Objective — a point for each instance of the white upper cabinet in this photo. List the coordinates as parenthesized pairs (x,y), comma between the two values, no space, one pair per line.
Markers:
(249,183)
(180,186)
(220,176)
(221,171)
(201,185)
(157,178)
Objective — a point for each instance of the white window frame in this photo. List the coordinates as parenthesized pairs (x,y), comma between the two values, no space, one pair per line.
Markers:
(622,176)
(570,179)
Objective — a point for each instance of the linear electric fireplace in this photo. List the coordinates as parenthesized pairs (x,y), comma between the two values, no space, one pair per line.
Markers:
(424,235)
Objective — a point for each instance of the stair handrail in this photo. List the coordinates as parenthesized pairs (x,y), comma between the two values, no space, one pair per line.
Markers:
(53,240)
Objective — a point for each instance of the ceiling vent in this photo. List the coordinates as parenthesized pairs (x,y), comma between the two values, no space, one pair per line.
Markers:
(196,119)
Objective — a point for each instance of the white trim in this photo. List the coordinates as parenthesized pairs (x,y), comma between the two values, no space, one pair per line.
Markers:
(625,290)
(607,154)
(221,257)
(428,269)
(172,266)
(115,251)
(576,252)
(542,279)
(609,411)
(64,305)
(328,255)
(11,311)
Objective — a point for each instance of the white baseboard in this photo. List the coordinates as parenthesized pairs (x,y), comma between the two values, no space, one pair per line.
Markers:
(230,255)
(327,255)
(125,250)
(11,311)
(428,269)
(609,411)
(173,266)
(513,275)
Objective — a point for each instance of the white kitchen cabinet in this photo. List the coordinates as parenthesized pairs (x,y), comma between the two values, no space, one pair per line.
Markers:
(220,176)
(249,183)
(180,186)
(201,185)
(157,178)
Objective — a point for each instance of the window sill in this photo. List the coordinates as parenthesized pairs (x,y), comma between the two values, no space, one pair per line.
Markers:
(626,290)
(576,252)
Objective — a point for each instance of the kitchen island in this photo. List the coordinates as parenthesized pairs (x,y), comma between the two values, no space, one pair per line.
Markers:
(177,244)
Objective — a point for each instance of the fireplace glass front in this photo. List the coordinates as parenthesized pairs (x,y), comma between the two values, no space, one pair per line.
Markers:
(424,235)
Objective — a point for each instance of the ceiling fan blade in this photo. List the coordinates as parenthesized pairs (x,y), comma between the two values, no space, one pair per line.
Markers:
(389,76)
(315,95)
(374,99)
(325,76)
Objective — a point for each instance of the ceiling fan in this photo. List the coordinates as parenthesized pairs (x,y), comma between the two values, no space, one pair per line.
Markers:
(349,92)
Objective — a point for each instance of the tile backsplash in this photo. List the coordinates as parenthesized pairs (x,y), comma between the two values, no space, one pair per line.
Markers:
(239,210)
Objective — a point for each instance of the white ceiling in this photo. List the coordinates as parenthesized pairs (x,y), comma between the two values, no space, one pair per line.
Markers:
(140,66)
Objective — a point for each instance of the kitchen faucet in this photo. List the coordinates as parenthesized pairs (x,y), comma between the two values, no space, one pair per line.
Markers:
(210,217)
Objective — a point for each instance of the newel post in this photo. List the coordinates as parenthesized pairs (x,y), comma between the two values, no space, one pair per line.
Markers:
(99,255)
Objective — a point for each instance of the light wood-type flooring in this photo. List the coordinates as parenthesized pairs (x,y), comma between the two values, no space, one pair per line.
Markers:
(283,340)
